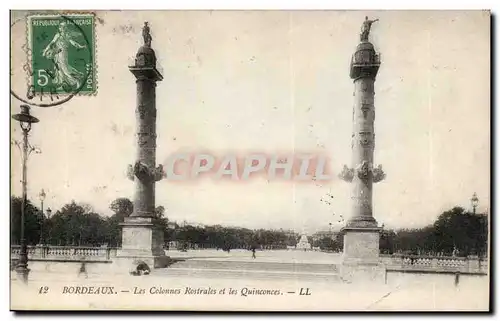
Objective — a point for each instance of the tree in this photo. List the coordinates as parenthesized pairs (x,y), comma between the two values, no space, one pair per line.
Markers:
(159,212)
(72,214)
(94,230)
(122,207)
(32,222)
(413,241)
(161,222)
(387,238)
(461,230)
(326,244)
(77,224)
(113,231)
(454,230)
(481,230)
(291,239)
(338,245)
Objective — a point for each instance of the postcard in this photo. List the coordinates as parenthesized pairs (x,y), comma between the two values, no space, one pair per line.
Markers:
(252,160)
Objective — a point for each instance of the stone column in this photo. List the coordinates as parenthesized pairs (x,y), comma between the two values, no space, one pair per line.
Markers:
(144,201)
(363,143)
(141,240)
(361,233)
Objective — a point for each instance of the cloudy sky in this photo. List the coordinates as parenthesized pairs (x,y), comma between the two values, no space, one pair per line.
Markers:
(275,81)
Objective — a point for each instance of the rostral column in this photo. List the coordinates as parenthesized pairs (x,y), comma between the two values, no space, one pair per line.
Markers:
(140,237)
(361,233)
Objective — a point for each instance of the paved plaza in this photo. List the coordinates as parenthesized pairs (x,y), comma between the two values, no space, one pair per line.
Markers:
(327,291)
(281,256)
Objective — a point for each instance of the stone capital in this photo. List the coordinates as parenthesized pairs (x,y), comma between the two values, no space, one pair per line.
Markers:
(347,174)
(159,173)
(378,174)
(364,170)
(144,173)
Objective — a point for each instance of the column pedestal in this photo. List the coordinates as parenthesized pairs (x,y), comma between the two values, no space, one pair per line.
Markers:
(360,261)
(141,242)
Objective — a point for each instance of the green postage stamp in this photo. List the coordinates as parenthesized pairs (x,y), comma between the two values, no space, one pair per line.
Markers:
(62,54)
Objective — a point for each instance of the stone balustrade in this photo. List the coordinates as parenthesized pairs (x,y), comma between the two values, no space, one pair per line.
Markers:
(396,262)
(436,263)
(68,253)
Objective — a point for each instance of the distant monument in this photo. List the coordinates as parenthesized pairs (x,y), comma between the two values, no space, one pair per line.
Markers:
(303,243)
(361,233)
(142,241)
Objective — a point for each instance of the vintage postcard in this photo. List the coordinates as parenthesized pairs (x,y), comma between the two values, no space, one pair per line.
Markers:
(250,160)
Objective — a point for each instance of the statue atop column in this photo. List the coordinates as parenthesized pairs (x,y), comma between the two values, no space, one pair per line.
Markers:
(146,35)
(365,28)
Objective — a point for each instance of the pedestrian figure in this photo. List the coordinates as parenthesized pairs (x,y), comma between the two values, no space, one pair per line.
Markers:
(83,270)
(253,253)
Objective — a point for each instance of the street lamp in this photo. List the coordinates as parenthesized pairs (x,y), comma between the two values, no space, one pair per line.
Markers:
(25,120)
(475,202)
(42,196)
(49,212)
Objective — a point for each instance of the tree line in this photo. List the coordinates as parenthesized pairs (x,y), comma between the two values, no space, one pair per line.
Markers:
(455,232)
(79,225)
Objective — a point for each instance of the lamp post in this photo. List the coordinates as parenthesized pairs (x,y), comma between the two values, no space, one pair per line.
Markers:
(25,120)
(42,196)
(49,212)
(474,202)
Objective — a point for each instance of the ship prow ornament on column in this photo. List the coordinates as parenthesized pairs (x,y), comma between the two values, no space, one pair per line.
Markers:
(142,241)
(361,233)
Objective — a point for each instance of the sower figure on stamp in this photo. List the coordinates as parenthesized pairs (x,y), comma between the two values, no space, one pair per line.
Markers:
(365,28)
(57,51)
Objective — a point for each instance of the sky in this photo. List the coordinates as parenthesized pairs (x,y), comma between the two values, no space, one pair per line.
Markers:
(274,81)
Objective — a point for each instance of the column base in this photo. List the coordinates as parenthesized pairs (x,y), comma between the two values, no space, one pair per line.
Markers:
(361,245)
(361,260)
(142,242)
